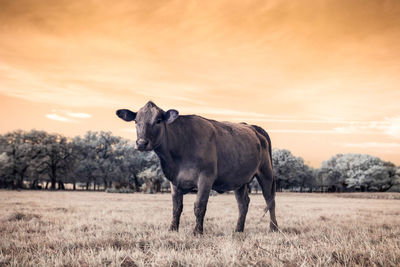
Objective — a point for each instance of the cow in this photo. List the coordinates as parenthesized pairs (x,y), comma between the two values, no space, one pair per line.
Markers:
(203,154)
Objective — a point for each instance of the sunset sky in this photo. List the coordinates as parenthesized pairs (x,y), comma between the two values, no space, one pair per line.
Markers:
(322,77)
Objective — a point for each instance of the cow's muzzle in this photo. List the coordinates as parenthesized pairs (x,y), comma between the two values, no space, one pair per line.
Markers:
(142,145)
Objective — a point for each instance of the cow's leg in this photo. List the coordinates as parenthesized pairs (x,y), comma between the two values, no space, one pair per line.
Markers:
(243,200)
(200,206)
(177,206)
(267,182)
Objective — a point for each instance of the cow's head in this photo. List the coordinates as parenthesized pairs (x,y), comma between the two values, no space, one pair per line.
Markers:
(150,124)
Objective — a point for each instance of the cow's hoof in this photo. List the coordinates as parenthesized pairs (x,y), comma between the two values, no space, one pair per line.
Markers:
(197,232)
(239,230)
(273,228)
(173,228)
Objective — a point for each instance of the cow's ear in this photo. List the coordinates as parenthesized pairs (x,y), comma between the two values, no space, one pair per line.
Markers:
(126,114)
(171,115)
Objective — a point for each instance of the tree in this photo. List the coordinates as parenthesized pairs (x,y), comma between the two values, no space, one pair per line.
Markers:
(6,175)
(254,186)
(85,165)
(19,150)
(105,144)
(55,160)
(153,177)
(138,167)
(98,154)
(328,177)
(358,172)
(290,171)
(305,177)
(35,138)
(129,165)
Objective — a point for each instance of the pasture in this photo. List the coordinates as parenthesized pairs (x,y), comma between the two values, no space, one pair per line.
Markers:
(93,228)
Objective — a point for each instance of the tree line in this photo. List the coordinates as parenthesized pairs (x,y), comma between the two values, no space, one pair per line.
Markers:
(98,160)
(340,173)
(101,161)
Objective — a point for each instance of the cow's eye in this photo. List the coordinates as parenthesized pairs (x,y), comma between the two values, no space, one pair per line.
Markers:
(159,120)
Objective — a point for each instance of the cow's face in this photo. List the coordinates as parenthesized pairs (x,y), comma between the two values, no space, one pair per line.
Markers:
(150,124)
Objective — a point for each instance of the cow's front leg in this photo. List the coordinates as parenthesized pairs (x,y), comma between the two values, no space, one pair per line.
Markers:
(200,206)
(177,206)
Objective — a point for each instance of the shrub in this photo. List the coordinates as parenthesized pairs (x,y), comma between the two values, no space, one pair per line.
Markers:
(119,190)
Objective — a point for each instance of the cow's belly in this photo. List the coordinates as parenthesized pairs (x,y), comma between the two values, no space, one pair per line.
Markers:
(235,179)
(222,187)
(237,165)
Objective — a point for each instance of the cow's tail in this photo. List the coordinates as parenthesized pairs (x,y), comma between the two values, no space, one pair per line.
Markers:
(271,200)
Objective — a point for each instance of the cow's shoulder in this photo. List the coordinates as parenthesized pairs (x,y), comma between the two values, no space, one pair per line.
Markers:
(196,126)
(195,121)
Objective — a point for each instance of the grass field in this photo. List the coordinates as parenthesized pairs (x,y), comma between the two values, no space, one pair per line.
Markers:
(93,228)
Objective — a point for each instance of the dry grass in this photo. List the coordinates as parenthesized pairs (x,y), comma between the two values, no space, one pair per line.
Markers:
(92,229)
(386,195)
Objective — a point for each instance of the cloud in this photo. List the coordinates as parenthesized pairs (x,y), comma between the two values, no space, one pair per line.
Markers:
(64,86)
(79,115)
(301,131)
(223,112)
(57,117)
(66,114)
(354,129)
(306,131)
(69,113)
(368,145)
(388,126)
(381,147)
(292,119)
(392,127)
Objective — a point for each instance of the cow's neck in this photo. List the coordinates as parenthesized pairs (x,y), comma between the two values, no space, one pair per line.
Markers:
(169,150)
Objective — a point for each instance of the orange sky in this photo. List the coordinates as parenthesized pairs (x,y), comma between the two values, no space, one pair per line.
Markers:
(322,77)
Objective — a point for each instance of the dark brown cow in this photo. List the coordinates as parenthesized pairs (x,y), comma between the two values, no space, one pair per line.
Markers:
(203,154)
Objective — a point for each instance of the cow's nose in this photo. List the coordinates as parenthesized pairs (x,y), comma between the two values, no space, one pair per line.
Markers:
(142,143)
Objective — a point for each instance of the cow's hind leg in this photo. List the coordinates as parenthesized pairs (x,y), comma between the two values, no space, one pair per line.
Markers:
(177,206)
(243,200)
(267,183)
